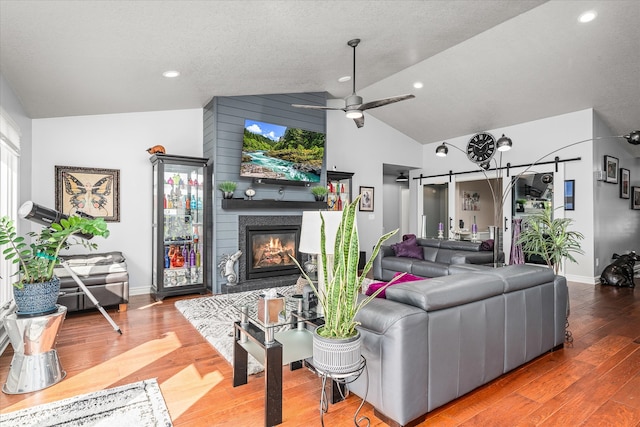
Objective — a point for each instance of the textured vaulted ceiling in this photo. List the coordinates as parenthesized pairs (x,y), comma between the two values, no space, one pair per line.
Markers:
(484,64)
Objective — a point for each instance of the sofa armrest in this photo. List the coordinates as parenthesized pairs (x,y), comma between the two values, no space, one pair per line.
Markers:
(385,250)
(395,346)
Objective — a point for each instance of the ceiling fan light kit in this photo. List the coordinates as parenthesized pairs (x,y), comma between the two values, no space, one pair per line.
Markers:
(354,107)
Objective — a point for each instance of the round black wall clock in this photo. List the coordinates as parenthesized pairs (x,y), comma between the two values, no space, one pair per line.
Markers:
(481,148)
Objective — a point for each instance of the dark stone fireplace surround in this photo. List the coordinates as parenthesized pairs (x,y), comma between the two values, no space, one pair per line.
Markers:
(265,282)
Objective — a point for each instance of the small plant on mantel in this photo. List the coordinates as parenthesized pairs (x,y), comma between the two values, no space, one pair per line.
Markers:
(319,192)
(227,188)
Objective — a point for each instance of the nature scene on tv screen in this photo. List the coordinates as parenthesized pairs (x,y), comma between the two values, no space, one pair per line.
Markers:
(278,152)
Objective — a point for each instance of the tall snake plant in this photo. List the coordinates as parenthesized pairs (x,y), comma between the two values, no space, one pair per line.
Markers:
(339,296)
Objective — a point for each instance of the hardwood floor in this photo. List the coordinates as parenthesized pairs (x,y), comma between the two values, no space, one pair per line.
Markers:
(594,382)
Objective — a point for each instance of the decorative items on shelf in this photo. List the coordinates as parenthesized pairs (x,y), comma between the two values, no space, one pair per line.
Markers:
(227,188)
(339,189)
(440,230)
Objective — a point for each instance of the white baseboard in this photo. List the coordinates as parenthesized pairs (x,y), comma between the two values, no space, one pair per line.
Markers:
(144,290)
(583,279)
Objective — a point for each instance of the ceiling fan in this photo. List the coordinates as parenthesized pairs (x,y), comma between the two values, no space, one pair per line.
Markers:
(354,106)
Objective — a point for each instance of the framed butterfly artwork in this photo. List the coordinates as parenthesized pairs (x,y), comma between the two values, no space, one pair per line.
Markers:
(92,191)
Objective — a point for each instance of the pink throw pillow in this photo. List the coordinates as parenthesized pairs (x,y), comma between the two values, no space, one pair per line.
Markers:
(377,285)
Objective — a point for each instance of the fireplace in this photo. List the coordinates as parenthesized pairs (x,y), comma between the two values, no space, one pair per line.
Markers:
(270,249)
(266,276)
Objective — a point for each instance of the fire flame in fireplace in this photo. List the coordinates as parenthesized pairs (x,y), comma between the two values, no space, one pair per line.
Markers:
(272,253)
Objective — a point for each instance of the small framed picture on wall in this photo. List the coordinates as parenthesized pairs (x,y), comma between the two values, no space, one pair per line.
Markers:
(611,169)
(635,198)
(625,183)
(366,201)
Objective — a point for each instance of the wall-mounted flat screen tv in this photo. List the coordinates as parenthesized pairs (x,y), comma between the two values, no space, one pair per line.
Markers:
(275,152)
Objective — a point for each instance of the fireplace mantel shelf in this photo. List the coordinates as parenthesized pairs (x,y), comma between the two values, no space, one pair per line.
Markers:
(271,204)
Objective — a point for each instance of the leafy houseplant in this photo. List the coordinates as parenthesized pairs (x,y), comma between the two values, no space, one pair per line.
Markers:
(37,260)
(550,238)
(319,192)
(227,188)
(339,295)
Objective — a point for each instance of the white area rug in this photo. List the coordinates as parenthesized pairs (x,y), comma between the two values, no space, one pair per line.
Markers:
(133,405)
(213,317)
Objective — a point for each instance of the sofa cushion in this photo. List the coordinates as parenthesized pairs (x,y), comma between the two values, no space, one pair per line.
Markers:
(429,253)
(460,245)
(397,279)
(429,269)
(94,258)
(448,291)
(408,248)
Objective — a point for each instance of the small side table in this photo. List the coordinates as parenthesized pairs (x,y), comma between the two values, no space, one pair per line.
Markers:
(35,364)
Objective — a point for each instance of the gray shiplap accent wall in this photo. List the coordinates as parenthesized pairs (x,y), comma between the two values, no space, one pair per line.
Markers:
(223,129)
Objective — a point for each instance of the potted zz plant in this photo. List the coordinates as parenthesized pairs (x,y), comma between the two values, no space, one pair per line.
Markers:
(550,238)
(227,188)
(336,344)
(319,192)
(36,289)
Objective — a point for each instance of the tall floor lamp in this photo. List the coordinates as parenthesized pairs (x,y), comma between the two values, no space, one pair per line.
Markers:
(310,242)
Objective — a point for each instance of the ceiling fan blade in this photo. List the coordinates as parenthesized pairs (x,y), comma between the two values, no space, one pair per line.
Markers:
(359,121)
(385,101)
(316,107)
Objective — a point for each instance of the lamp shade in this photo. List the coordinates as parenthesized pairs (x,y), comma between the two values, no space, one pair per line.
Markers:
(504,143)
(310,231)
(442,150)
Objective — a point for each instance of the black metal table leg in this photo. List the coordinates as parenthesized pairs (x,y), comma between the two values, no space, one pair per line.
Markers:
(240,357)
(273,385)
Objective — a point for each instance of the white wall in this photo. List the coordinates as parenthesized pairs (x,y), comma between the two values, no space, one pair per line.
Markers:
(617,226)
(116,141)
(363,151)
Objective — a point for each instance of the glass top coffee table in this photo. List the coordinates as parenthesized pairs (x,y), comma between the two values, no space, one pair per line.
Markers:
(274,339)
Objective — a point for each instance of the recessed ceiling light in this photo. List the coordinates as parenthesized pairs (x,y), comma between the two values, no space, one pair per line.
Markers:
(171,74)
(418,85)
(344,79)
(587,16)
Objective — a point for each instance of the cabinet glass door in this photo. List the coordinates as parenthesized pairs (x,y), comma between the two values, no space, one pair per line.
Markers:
(180,217)
(182,225)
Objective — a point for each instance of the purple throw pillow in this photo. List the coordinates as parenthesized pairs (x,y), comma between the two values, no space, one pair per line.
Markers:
(408,248)
(377,285)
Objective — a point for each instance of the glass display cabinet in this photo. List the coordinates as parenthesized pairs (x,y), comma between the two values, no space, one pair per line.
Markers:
(340,190)
(180,214)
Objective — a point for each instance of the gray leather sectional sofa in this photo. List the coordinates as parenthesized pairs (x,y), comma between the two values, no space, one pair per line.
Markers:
(431,341)
(438,256)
